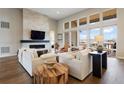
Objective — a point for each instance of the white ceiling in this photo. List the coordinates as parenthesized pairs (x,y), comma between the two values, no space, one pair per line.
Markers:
(58,13)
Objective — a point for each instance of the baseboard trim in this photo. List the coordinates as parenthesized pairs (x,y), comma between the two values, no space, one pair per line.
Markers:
(120,57)
(7,55)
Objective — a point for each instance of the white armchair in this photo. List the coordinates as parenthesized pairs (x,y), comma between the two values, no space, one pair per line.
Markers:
(79,66)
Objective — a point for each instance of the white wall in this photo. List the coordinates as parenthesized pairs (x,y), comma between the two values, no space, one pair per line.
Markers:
(11,37)
(36,21)
(21,23)
(120,39)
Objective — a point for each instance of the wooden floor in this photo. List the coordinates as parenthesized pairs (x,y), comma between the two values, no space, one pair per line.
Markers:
(11,72)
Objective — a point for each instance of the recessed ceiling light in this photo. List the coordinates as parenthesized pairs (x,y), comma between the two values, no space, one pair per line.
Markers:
(58,12)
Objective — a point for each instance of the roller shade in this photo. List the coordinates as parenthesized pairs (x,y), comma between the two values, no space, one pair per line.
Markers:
(110,14)
(74,24)
(94,18)
(83,21)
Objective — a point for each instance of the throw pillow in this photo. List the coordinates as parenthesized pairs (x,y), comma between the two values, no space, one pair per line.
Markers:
(39,53)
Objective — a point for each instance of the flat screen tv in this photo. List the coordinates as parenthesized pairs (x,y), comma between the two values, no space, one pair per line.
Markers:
(37,35)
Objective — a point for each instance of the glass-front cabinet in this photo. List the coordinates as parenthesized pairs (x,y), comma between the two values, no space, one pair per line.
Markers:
(74,38)
(66,25)
(66,37)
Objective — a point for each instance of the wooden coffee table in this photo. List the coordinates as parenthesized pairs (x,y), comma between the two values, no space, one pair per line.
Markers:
(51,73)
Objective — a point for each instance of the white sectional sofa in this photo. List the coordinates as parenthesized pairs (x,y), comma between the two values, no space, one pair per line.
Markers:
(29,59)
(79,63)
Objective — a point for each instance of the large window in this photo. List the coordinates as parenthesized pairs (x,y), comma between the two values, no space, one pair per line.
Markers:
(93,33)
(110,36)
(110,33)
(83,37)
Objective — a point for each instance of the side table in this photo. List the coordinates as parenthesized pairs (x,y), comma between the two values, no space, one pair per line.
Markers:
(51,73)
(99,61)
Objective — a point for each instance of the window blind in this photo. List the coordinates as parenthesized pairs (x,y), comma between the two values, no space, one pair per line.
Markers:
(110,14)
(94,18)
(83,21)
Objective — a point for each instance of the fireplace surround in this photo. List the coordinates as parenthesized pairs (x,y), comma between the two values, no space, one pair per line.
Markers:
(37,46)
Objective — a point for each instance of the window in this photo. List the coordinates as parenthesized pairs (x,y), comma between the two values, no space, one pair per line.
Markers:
(110,33)
(110,36)
(93,33)
(83,37)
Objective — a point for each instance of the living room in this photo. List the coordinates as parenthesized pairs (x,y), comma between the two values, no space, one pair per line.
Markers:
(72,40)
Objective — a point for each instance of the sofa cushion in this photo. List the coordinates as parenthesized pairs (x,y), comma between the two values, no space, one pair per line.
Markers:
(39,53)
(49,57)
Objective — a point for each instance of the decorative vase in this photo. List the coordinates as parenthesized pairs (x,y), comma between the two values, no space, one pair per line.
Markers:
(99,49)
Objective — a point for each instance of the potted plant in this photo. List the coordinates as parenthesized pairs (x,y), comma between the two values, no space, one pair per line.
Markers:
(99,48)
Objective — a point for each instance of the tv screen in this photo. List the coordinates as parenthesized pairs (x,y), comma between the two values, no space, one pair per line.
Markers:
(38,35)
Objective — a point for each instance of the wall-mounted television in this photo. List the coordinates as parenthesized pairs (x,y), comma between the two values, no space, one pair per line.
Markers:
(37,35)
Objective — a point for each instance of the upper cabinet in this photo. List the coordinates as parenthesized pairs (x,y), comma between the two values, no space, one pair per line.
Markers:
(83,21)
(66,25)
(110,14)
(94,18)
(74,24)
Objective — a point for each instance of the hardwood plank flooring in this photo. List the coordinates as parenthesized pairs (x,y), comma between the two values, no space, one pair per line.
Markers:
(113,75)
(11,72)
